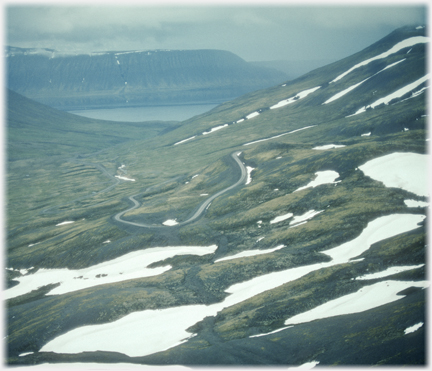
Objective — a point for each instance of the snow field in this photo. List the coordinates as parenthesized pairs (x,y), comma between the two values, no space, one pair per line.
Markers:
(129,266)
(407,171)
(132,327)
(414,203)
(388,272)
(368,297)
(377,230)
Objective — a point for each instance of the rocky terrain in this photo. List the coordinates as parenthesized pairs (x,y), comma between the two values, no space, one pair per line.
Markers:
(311,251)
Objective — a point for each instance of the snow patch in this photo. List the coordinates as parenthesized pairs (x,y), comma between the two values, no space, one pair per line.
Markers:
(377,230)
(129,266)
(366,134)
(388,272)
(269,333)
(249,253)
(366,298)
(400,45)
(278,136)
(281,218)
(322,177)
(165,321)
(252,115)
(397,94)
(352,87)
(64,223)
(301,219)
(212,130)
(304,366)
(413,328)
(407,171)
(170,222)
(124,178)
(185,140)
(249,171)
(328,146)
(414,203)
(295,98)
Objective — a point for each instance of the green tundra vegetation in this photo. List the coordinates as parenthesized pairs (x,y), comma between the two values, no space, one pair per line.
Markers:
(62,167)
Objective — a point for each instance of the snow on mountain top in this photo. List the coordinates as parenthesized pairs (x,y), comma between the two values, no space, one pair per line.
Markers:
(399,46)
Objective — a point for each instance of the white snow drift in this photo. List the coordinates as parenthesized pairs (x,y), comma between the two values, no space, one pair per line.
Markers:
(248,253)
(400,45)
(151,331)
(397,94)
(402,170)
(295,98)
(130,266)
(322,177)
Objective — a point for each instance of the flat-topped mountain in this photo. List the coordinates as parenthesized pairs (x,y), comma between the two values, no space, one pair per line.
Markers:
(132,78)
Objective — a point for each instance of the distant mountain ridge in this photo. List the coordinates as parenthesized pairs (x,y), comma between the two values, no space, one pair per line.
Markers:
(133,78)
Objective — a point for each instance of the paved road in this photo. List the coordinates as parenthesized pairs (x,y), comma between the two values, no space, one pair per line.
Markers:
(200,210)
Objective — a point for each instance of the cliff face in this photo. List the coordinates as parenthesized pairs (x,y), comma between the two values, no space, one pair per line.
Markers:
(133,78)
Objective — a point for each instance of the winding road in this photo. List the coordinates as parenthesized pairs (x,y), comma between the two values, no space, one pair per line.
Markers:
(200,210)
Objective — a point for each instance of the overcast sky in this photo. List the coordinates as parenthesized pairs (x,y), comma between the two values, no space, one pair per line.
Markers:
(253,31)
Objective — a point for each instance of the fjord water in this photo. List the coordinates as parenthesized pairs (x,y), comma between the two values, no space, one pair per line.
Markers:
(147,113)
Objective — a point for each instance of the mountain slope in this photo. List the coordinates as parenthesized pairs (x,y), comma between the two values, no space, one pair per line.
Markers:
(133,78)
(35,129)
(317,258)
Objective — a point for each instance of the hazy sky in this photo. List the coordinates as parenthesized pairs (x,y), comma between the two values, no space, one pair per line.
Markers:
(253,31)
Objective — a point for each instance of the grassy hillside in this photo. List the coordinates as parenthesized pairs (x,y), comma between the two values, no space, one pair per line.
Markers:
(279,132)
